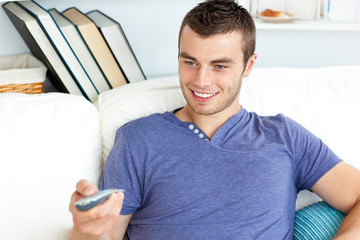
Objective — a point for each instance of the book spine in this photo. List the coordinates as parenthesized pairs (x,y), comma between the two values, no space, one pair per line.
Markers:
(36,49)
(64,51)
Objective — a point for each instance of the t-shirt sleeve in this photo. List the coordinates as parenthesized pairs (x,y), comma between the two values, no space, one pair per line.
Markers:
(120,171)
(312,157)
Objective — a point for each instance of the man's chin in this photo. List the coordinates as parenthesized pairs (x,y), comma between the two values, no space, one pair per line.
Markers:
(203,110)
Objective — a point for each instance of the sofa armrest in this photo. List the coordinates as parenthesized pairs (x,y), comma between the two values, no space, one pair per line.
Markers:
(48,142)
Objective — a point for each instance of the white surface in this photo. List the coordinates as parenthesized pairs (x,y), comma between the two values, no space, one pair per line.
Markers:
(48,142)
(344,10)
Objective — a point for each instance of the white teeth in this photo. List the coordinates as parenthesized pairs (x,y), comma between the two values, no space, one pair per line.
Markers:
(204,95)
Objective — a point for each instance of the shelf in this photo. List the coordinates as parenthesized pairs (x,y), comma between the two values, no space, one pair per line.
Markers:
(308,25)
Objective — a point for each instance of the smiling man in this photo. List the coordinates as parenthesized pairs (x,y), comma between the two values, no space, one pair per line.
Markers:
(212,170)
(211,71)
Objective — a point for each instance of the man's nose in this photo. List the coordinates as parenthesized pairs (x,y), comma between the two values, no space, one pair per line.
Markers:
(203,79)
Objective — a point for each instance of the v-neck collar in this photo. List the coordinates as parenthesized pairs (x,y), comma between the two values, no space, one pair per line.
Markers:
(219,135)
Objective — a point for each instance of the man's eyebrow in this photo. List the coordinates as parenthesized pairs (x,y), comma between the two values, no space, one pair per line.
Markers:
(222,60)
(185,55)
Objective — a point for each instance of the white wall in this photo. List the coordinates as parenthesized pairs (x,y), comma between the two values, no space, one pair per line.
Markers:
(152,29)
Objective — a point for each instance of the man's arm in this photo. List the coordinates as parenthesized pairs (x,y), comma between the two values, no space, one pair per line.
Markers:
(116,231)
(100,222)
(340,187)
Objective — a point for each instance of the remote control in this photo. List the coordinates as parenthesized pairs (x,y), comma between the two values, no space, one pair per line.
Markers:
(91,201)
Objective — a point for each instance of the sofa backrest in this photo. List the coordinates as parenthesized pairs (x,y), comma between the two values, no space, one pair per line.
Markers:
(324,100)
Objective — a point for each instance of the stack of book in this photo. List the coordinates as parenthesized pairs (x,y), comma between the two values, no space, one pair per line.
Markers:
(86,54)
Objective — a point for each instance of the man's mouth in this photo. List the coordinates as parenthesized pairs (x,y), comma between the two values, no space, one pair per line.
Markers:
(204,95)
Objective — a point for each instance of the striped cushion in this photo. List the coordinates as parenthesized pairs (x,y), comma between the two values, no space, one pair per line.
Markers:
(317,221)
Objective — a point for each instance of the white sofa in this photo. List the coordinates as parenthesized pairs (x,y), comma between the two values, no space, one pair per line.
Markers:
(50,141)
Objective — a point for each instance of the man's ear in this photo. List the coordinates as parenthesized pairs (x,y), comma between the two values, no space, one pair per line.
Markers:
(250,65)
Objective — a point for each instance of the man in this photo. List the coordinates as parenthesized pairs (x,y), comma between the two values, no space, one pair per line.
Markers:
(212,170)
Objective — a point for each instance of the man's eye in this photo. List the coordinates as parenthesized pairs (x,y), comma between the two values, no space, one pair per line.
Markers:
(189,63)
(220,67)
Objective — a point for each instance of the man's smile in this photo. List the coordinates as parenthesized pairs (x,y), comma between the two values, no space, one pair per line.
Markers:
(204,95)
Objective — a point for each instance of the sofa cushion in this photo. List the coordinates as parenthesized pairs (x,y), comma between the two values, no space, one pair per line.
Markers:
(48,142)
(317,221)
(121,105)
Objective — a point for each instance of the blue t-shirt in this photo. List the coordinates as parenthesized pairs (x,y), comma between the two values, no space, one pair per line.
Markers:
(241,184)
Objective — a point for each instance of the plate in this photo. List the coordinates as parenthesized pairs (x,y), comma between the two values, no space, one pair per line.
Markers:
(286,18)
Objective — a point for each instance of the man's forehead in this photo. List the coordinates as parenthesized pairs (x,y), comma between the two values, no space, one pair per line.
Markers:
(189,38)
(217,48)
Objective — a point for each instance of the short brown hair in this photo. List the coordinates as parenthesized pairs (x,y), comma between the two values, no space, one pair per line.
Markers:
(220,17)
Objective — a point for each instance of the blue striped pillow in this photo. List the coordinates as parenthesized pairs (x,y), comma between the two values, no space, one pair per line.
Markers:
(318,221)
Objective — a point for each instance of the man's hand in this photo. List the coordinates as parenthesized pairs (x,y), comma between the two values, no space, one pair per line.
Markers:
(98,221)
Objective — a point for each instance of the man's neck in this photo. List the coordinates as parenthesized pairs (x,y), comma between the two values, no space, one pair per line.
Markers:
(209,124)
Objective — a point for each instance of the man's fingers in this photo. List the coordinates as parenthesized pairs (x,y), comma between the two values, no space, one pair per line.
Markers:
(99,219)
(86,188)
(111,207)
(83,188)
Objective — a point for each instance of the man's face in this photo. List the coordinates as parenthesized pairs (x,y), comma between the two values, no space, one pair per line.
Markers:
(211,71)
